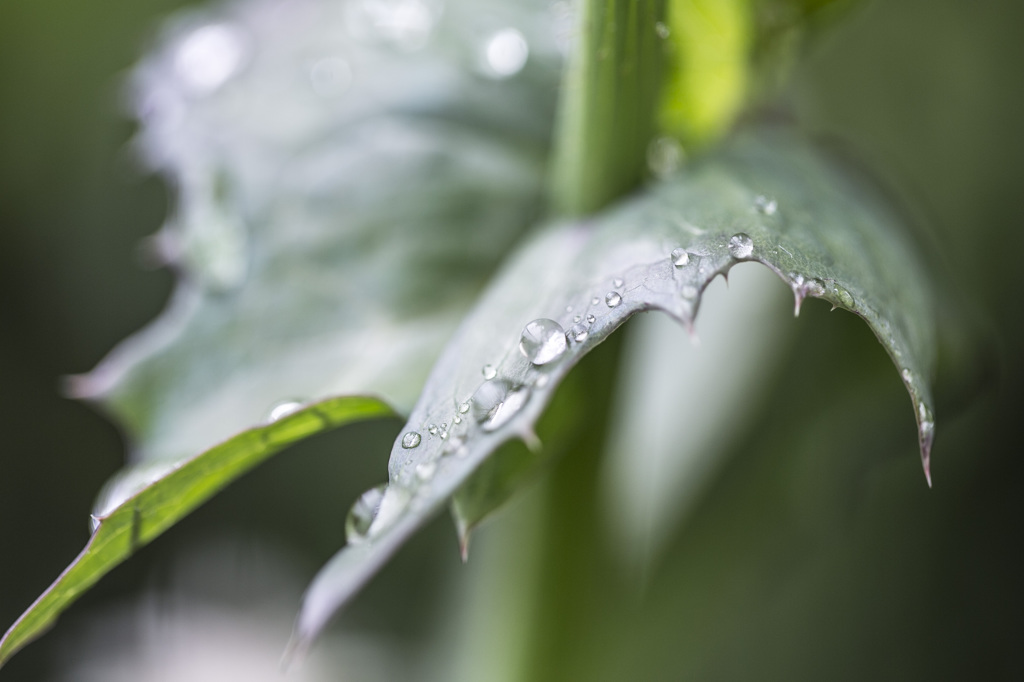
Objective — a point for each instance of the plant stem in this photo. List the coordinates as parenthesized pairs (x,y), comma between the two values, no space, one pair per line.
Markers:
(609,103)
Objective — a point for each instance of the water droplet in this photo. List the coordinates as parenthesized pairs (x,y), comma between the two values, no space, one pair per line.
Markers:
(464,407)
(541,381)
(680,257)
(543,341)
(456,446)
(661,28)
(741,245)
(664,156)
(489,372)
(330,77)
(595,301)
(815,287)
(495,403)
(505,53)
(282,409)
(362,514)
(689,291)
(457,419)
(209,57)
(612,298)
(411,440)
(578,333)
(577,319)
(425,470)
(908,376)
(568,308)
(432,429)
(765,205)
(591,319)
(617,282)
(844,297)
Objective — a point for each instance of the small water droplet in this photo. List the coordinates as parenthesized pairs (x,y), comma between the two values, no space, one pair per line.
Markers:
(411,440)
(844,297)
(765,205)
(595,301)
(457,419)
(432,429)
(741,245)
(680,257)
(542,341)
(908,376)
(617,282)
(613,299)
(464,407)
(578,333)
(489,372)
(282,409)
(425,470)
(505,53)
(495,403)
(443,434)
(456,446)
(591,319)
(664,156)
(209,57)
(541,381)
(568,308)
(661,28)
(577,319)
(362,514)
(689,291)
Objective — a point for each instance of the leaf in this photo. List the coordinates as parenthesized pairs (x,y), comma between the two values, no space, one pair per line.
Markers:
(330,243)
(768,197)
(346,179)
(144,507)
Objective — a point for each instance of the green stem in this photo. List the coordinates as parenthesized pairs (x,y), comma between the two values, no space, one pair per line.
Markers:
(609,103)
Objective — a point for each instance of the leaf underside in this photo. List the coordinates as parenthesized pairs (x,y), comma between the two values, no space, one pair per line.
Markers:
(766,197)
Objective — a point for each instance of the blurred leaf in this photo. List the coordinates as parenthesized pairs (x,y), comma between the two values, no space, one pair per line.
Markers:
(768,197)
(348,177)
(708,43)
(152,500)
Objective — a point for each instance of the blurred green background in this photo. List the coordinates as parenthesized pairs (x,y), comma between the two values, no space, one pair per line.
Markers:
(816,552)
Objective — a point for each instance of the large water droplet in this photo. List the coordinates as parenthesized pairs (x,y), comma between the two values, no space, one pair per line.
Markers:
(505,53)
(680,257)
(741,245)
(362,514)
(411,440)
(282,409)
(613,299)
(495,403)
(489,372)
(543,341)
(765,205)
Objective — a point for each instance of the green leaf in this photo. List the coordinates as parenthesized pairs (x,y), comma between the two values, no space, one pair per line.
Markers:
(143,507)
(329,244)
(768,197)
(345,184)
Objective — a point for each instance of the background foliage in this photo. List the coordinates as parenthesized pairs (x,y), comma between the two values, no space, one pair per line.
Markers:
(815,553)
